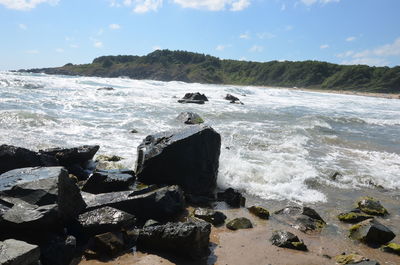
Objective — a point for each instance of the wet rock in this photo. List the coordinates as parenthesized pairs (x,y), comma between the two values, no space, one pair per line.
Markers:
(188,157)
(151,222)
(233,99)
(104,220)
(371,206)
(107,158)
(58,251)
(350,259)
(304,219)
(190,118)
(371,232)
(259,211)
(392,248)
(239,223)
(12,157)
(354,216)
(109,244)
(148,203)
(189,239)
(335,176)
(106,88)
(232,197)
(214,217)
(70,156)
(285,239)
(103,181)
(134,131)
(193,98)
(15,252)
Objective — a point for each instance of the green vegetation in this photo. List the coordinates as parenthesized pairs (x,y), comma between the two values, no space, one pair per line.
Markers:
(185,66)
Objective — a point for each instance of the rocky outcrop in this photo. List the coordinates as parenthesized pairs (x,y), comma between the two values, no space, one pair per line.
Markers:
(259,211)
(285,239)
(232,197)
(189,239)
(304,219)
(213,217)
(371,232)
(190,118)
(103,181)
(239,223)
(14,252)
(189,158)
(196,98)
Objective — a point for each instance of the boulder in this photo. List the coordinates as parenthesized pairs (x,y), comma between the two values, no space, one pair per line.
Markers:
(354,216)
(70,156)
(189,239)
(284,239)
(371,232)
(12,157)
(233,99)
(232,197)
(188,157)
(371,206)
(58,251)
(15,252)
(304,219)
(109,244)
(350,259)
(259,211)
(239,223)
(392,248)
(193,98)
(104,220)
(103,181)
(214,217)
(190,118)
(154,202)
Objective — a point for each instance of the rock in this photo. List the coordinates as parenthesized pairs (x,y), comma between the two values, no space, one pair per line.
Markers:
(239,223)
(233,99)
(354,217)
(392,248)
(335,176)
(109,244)
(371,206)
(134,131)
(70,156)
(285,239)
(104,220)
(190,118)
(189,158)
(350,259)
(59,251)
(259,211)
(304,219)
(103,181)
(151,222)
(189,239)
(193,98)
(232,197)
(107,158)
(14,252)
(371,232)
(106,88)
(214,217)
(149,203)
(12,157)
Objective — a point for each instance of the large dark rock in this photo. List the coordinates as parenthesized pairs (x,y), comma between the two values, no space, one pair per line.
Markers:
(193,98)
(214,217)
(232,197)
(189,239)
(285,239)
(233,99)
(103,181)
(371,232)
(304,219)
(12,157)
(104,220)
(190,118)
(58,251)
(109,244)
(14,252)
(151,203)
(189,158)
(70,156)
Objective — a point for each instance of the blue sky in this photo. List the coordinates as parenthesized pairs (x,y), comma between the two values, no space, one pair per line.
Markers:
(40,33)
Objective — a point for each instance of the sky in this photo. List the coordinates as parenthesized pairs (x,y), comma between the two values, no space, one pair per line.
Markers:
(47,33)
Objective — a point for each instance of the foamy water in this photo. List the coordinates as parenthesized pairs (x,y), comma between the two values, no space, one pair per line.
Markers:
(272,146)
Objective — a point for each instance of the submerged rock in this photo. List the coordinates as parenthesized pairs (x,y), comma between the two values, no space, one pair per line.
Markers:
(193,98)
(371,206)
(232,197)
(189,239)
(371,232)
(106,88)
(304,219)
(103,181)
(355,216)
(239,223)
(15,252)
(190,118)
(233,99)
(259,211)
(285,239)
(188,157)
(214,217)
(392,248)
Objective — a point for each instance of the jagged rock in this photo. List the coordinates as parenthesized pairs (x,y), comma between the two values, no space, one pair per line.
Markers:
(304,219)
(259,211)
(70,156)
(12,157)
(193,98)
(354,216)
(105,219)
(371,206)
(108,158)
(106,88)
(392,248)
(188,157)
(103,181)
(335,176)
(232,197)
(285,239)
(239,223)
(189,239)
(15,252)
(109,244)
(233,99)
(190,118)
(149,203)
(371,232)
(58,251)
(214,217)
(151,222)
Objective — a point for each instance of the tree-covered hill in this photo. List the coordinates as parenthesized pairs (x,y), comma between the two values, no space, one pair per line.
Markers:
(166,65)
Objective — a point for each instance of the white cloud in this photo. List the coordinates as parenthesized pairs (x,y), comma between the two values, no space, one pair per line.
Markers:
(265,35)
(74,46)
(283,7)
(345,54)
(367,61)
(256,48)
(32,51)
(245,36)
(351,38)
(156,47)
(214,5)
(222,47)
(25,4)
(114,26)
(311,2)
(23,26)
(59,50)
(289,27)
(240,5)
(143,6)
(98,44)
(324,46)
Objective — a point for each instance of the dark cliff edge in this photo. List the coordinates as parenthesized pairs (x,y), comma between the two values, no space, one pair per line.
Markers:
(166,65)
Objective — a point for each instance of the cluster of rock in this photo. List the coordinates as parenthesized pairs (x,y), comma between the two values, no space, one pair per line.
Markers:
(198,98)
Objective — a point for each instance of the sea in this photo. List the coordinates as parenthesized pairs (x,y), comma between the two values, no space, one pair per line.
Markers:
(281,144)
